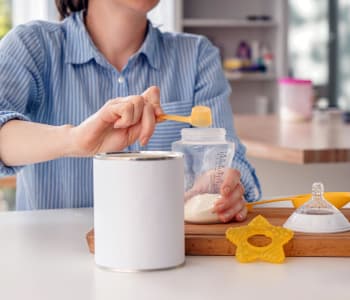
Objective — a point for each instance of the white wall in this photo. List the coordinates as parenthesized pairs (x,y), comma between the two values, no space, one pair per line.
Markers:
(165,15)
(282,179)
(24,11)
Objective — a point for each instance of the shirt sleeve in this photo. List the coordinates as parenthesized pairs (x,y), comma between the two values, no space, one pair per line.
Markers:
(20,79)
(213,90)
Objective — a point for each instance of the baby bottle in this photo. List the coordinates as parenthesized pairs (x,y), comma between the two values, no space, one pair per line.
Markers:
(207,155)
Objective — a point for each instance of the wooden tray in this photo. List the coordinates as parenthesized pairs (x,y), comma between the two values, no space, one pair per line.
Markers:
(211,240)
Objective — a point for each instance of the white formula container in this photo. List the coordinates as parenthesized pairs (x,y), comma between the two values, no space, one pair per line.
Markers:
(295,99)
(138,210)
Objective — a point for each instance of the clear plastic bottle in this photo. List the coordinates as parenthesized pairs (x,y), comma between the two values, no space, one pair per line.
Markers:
(207,154)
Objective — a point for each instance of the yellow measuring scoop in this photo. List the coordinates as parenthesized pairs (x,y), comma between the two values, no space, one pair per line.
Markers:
(200,117)
(338,199)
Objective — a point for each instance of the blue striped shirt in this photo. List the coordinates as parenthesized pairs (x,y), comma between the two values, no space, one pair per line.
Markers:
(52,73)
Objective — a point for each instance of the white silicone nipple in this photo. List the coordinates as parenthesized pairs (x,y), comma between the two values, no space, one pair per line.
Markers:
(317,205)
(317,215)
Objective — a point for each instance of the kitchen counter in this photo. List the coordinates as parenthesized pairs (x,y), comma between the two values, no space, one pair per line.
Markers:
(267,137)
(44,255)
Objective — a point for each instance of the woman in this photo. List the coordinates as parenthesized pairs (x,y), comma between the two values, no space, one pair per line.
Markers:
(55,82)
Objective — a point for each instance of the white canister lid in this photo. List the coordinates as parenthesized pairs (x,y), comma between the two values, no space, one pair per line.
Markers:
(139,156)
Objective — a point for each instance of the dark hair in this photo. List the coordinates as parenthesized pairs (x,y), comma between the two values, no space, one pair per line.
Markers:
(66,7)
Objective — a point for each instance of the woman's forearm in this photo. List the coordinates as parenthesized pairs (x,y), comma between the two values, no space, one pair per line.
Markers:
(23,142)
(118,124)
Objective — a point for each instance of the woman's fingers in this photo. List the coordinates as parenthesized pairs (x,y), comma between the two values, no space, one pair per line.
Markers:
(139,105)
(242,214)
(132,117)
(136,112)
(231,191)
(238,211)
(147,124)
(152,96)
(232,177)
(121,110)
(230,213)
(232,201)
(225,203)
(128,113)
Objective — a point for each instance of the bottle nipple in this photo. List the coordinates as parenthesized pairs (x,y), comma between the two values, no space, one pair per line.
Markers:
(317,215)
(317,205)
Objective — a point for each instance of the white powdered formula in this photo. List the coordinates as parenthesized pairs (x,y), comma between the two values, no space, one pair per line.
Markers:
(199,208)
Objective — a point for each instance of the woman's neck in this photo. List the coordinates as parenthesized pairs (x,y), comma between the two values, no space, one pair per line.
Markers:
(117,31)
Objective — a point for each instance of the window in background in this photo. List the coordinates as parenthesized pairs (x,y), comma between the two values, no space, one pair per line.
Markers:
(319,47)
(164,15)
(344,53)
(28,10)
(308,42)
(5,17)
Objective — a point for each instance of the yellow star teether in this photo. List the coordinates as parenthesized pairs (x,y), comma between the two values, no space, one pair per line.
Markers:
(246,252)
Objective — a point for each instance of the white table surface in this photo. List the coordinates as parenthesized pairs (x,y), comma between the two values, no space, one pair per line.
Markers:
(44,255)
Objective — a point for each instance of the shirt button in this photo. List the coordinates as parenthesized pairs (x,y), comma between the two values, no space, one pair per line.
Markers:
(121,79)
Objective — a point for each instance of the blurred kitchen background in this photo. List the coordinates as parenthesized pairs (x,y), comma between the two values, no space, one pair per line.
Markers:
(260,41)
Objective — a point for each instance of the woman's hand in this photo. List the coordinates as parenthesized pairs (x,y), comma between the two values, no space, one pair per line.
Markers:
(118,124)
(231,205)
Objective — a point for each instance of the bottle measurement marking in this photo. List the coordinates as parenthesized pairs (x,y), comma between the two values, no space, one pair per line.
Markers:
(220,163)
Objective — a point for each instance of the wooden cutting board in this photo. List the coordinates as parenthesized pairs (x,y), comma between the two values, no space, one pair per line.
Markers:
(211,240)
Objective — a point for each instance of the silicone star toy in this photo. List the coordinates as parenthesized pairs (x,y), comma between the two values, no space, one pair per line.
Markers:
(247,252)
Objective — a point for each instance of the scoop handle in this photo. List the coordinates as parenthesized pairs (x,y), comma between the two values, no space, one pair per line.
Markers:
(251,204)
(176,118)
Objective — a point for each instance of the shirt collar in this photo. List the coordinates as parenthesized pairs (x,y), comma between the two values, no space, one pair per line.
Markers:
(150,46)
(80,48)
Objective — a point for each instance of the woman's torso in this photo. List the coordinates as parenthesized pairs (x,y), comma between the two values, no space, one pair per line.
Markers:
(76,81)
